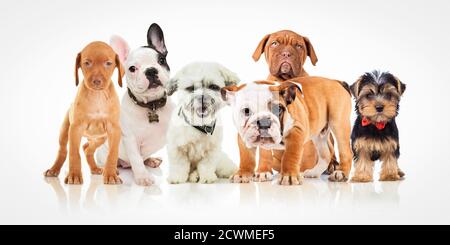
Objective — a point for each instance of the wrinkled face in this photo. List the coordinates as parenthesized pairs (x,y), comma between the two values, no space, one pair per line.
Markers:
(260,115)
(147,72)
(286,54)
(97,62)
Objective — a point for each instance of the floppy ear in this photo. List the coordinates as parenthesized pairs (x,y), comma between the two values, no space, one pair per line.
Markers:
(172,86)
(288,91)
(229,77)
(119,70)
(155,38)
(77,66)
(120,46)
(228,93)
(260,49)
(310,49)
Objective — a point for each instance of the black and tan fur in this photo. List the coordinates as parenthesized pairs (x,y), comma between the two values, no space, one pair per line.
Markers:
(377,98)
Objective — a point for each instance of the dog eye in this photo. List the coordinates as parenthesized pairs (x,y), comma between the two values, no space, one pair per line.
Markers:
(87,63)
(246,111)
(370,96)
(190,88)
(162,60)
(214,87)
(132,69)
(388,96)
(274,43)
(277,110)
(299,46)
(108,63)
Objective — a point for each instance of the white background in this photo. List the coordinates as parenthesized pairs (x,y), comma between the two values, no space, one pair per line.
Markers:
(39,42)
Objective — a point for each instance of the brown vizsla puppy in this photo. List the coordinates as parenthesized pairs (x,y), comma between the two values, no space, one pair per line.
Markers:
(94,114)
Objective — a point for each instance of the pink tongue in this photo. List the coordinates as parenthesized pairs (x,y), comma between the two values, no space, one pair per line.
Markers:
(285,68)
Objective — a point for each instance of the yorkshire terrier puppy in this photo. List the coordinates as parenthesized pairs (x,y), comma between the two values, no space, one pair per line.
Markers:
(375,133)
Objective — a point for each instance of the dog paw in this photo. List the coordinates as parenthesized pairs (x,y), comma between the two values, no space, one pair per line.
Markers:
(74,178)
(143,178)
(97,171)
(177,178)
(263,176)
(290,180)
(208,178)
(193,177)
(241,177)
(310,174)
(153,162)
(390,177)
(338,176)
(401,173)
(51,173)
(111,178)
(361,178)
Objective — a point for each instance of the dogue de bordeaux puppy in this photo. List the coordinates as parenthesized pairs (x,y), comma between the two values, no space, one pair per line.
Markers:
(94,114)
(286,53)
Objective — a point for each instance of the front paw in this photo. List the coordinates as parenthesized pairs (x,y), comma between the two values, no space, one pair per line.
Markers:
(390,177)
(51,173)
(74,178)
(361,178)
(143,178)
(177,178)
(111,178)
(290,180)
(97,171)
(263,176)
(338,176)
(194,177)
(207,178)
(241,177)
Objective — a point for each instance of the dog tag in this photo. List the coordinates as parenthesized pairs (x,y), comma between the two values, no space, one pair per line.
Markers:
(152,116)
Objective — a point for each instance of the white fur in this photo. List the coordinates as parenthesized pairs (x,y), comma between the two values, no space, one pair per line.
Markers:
(140,139)
(193,155)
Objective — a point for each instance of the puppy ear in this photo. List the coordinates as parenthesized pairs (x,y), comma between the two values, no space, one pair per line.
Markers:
(228,93)
(354,88)
(119,70)
(155,38)
(230,78)
(401,87)
(77,67)
(120,46)
(288,91)
(172,86)
(260,49)
(310,49)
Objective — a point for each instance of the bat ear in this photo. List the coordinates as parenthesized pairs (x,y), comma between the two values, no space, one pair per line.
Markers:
(354,88)
(310,49)
(155,38)
(401,87)
(120,46)
(77,67)
(260,49)
(120,72)
(228,93)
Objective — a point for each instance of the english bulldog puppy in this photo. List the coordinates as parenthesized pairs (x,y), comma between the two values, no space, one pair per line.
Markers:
(195,130)
(283,117)
(145,108)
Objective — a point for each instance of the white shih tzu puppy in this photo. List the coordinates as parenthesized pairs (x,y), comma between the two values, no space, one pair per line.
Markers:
(194,136)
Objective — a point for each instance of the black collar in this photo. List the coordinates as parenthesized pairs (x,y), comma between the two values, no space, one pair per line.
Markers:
(204,129)
(151,105)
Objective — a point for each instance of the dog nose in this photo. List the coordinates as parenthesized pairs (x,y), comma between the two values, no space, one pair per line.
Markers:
(97,82)
(151,72)
(264,123)
(379,108)
(286,54)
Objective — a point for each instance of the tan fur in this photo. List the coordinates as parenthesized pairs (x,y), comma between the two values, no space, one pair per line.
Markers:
(312,112)
(94,115)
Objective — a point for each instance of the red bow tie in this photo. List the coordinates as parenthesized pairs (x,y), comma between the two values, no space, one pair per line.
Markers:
(379,125)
